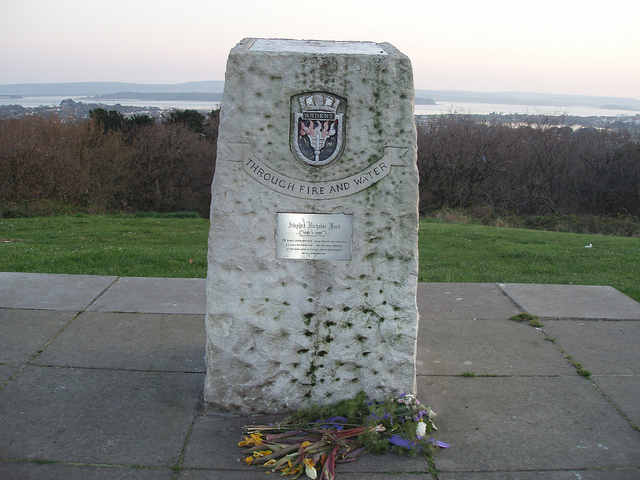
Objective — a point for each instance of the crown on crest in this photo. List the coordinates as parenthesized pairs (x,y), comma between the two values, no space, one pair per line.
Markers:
(319,102)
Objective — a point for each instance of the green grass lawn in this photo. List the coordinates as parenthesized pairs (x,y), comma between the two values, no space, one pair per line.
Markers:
(169,246)
(127,245)
(474,254)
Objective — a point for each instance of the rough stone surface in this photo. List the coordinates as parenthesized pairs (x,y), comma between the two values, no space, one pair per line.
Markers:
(284,332)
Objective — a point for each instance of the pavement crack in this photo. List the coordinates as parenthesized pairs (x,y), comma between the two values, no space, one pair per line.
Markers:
(100,294)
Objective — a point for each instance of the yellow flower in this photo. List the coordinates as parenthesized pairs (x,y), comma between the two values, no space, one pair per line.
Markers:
(291,470)
(270,462)
(309,468)
(305,444)
(247,460)
(262,453)
(252,439)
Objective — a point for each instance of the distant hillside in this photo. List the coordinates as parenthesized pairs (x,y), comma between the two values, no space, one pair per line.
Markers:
(528,98)
(167,97)
(105,88)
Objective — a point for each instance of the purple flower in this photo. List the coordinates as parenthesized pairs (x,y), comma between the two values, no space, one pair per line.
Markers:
(333,423)
(438,443)
(337,419)
(402,442)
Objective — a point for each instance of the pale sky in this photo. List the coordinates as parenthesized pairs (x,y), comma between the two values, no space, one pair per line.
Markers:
(547,46)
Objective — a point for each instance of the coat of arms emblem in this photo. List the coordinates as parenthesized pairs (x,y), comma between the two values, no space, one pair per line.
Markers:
(317,128)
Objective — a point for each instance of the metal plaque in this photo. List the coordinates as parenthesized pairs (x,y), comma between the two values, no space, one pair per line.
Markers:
(314,236)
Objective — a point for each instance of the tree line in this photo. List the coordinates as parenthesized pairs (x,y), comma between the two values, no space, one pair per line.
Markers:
(535,168)
(117,164)
(108,164)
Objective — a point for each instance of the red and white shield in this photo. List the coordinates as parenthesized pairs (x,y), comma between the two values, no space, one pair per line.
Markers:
(317,128)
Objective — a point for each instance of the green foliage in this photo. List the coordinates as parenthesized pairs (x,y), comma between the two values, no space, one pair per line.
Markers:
(398,415)
(140,121)
(578,366)
(582,371)
(167,215)
(617,225)
(189,118)
(620,225)
(109,121)
(527,317)
(354,409)
(113,120)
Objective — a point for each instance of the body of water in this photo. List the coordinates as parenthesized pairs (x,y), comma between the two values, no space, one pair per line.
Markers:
(487,108)
(33,102)
(440,108)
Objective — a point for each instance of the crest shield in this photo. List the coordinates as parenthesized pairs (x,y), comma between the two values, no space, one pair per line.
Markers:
(317,128)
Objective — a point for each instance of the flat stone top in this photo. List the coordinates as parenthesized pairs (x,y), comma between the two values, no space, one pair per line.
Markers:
(317,47)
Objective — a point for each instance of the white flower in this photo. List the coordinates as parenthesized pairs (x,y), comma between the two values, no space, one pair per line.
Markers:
(311,472)
(309,468)
(421,429)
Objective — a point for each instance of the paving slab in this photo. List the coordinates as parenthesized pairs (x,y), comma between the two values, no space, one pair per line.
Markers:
(154,295)
(35,471)
(602,347)
(595,474)
(214,442)
(97,416)
(573,301)
(51,291)
(527,424)
(130,341)
(24,332)
(464,300)
(389,462)
(6,372)
(208,474)
(486,347)
(624,392)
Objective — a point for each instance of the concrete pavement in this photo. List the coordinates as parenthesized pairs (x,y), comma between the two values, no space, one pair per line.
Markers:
(101,378)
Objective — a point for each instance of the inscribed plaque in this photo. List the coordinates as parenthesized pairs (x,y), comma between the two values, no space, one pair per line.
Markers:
(314,236)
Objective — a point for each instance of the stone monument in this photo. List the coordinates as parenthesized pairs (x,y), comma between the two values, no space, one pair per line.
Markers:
(313,248)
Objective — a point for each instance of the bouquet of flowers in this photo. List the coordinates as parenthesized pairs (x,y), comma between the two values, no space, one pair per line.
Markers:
(314,440)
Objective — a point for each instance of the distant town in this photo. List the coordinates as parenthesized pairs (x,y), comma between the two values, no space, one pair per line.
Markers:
(71,110)
(91,95)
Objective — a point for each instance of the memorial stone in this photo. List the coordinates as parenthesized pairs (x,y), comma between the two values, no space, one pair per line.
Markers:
(313,261)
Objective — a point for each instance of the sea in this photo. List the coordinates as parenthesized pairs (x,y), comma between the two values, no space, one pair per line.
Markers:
(439,108)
